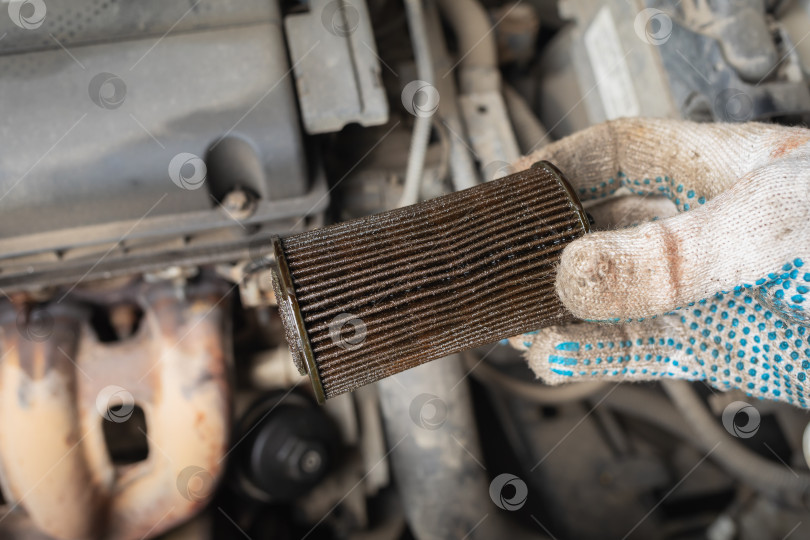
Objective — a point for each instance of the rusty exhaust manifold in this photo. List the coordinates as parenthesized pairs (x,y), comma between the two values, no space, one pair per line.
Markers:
(55,386)
(368,298)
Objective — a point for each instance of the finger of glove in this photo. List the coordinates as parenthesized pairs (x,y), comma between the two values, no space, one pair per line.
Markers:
(629,210)
(688,162)
(646,350)
(737,239)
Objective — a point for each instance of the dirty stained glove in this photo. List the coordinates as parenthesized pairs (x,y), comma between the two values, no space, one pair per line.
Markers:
(715,288)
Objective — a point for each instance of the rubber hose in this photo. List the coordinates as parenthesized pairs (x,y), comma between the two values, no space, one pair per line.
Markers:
(740,462)
(421,127)
(530,133)
(535,392)
(474,32)
(649,407)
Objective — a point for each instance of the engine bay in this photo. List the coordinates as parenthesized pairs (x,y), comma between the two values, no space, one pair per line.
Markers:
(152,152)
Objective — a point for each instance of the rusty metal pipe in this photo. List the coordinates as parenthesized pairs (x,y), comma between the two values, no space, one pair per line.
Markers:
(188,417)
(42,447)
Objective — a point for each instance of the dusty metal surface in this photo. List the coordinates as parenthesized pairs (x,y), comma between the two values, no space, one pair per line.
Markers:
(59,385)
(372,297)
(154,178)
(330,97)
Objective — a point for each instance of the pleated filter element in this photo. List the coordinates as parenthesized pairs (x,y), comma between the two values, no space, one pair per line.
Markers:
(368,298)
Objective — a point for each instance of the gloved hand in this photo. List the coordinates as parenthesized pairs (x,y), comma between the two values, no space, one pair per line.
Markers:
(717,292)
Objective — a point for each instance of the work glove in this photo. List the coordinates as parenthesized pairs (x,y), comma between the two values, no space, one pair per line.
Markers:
(704,271)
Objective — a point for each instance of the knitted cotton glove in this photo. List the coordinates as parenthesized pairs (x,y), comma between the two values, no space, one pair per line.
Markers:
(717,292)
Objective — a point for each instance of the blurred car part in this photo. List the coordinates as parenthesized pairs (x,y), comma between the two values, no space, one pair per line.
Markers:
(330,97)
(723,61)
(65,394)
(186,105)
(289,447)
